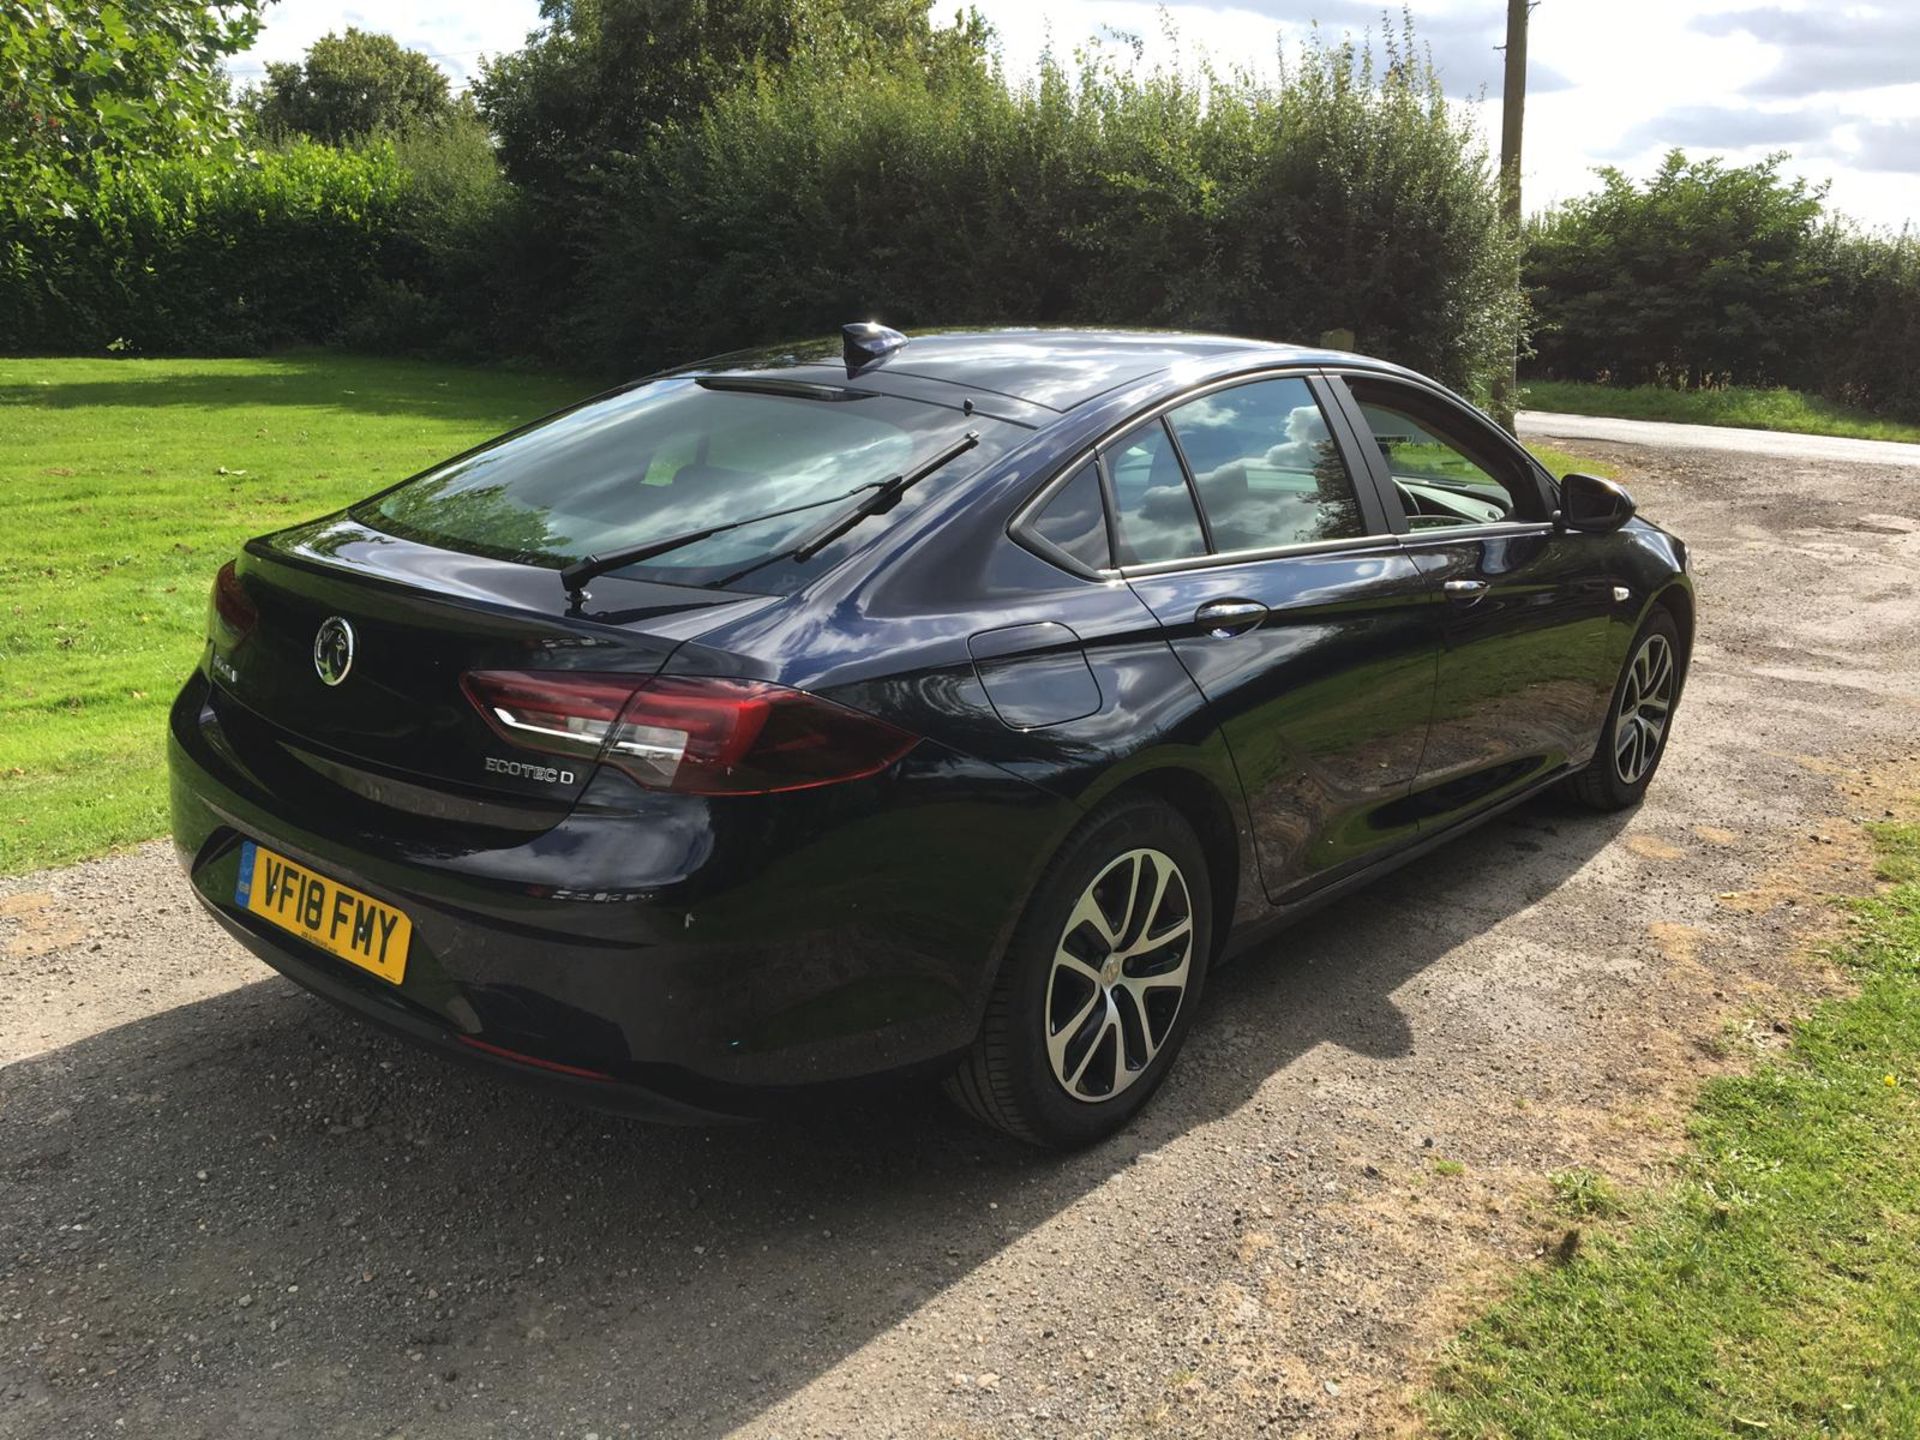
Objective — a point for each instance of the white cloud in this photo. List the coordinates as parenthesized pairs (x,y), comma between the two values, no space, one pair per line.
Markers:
(454,33)
(1628,79)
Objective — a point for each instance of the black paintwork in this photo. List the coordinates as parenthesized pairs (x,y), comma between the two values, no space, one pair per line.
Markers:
(705,952)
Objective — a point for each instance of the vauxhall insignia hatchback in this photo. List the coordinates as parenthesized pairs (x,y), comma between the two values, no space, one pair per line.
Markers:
(945,705)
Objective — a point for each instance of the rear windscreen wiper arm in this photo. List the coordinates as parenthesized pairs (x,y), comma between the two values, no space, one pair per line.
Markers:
(576,575)
(885,496)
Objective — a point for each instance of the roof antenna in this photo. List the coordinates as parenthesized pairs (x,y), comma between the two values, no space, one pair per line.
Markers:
(868,343)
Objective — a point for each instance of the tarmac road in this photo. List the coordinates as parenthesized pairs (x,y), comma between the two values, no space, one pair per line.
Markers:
(227,1210)
(1725,438)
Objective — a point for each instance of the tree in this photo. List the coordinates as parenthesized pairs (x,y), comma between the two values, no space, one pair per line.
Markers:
(85,85)
(350,86)
(1706,274)
(602,77)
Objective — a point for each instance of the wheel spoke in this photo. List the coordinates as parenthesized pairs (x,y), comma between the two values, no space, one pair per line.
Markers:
(1109,1025)
(1059,1041)
(1152,947)
(1137,991)
(1088,912)
(1065,959)
(1660,667)
(1162,875)
(1137,1019)
(1123,932)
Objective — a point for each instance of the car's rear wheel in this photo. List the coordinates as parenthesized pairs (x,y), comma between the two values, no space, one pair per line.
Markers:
(1639,719)
(1099,984)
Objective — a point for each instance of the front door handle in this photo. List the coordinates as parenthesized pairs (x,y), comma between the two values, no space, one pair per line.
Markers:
(1465,592)
(1221,618)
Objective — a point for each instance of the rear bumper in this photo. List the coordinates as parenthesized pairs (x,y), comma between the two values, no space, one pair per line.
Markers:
(364,997)
(770,947)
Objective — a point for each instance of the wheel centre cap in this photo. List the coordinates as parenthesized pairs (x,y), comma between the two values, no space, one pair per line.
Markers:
(1110,971)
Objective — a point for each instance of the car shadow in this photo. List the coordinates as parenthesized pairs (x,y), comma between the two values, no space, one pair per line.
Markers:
(424,1247)
(360,385)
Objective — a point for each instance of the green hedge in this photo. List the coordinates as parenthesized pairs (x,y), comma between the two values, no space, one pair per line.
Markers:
(838,187)
(1870,353)
(914,184)
(1708,275)
(203,257)
(1336,201)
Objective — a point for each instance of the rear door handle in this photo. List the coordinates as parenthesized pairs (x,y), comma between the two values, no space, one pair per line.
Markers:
(1222,618)
(1464,592)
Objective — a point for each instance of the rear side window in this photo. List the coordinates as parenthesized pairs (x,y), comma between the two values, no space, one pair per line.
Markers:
(670,457)
(1075,520)
(1266,467)
(1153,512)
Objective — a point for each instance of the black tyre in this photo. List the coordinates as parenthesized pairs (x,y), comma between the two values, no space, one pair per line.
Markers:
(1099,984)
(1639,719)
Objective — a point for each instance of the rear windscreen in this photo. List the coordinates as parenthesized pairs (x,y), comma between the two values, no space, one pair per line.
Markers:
(674,456)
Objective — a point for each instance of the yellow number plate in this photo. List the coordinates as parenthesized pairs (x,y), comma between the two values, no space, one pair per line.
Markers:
(323,912)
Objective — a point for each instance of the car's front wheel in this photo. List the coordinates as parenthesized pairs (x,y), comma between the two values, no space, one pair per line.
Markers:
(1100,981)
(1638,720)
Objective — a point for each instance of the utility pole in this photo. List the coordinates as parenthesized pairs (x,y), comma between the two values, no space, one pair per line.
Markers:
(1513,109)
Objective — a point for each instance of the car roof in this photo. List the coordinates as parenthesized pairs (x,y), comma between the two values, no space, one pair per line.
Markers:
(1054,369)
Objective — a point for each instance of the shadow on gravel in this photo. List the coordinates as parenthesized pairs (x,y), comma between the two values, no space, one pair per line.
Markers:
(470,1257)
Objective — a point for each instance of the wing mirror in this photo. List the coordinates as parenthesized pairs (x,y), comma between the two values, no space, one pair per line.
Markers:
(1589,503)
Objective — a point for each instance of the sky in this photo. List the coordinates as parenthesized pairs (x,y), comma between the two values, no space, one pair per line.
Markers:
(1834,83)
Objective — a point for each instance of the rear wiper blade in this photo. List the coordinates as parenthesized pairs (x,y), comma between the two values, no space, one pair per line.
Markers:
(576,575)
(885,496)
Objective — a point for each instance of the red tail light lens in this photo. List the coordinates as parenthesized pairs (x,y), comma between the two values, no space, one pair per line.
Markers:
(232,611)
(695,735)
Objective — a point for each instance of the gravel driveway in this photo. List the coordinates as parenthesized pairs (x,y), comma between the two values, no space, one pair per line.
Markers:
(227,1210)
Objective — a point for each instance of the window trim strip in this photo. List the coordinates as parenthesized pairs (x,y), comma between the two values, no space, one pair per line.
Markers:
(1305,550)
(1193,484)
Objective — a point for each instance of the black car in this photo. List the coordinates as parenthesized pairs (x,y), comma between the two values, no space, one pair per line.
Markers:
(946,705)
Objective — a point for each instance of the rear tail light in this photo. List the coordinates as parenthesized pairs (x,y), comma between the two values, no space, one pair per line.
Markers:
(695,735)
(231,610)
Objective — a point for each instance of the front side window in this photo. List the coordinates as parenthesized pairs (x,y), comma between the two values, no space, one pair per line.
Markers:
(1443,473)
(671,457)
(1266,466)
(1153,512)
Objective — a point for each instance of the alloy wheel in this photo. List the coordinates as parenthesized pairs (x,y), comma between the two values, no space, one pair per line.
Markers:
(1646,701)
(1119,975)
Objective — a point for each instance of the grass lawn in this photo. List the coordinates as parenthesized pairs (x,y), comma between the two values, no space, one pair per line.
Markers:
(1752,409)
(1774,1289)
(127,484)
(1560,462)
